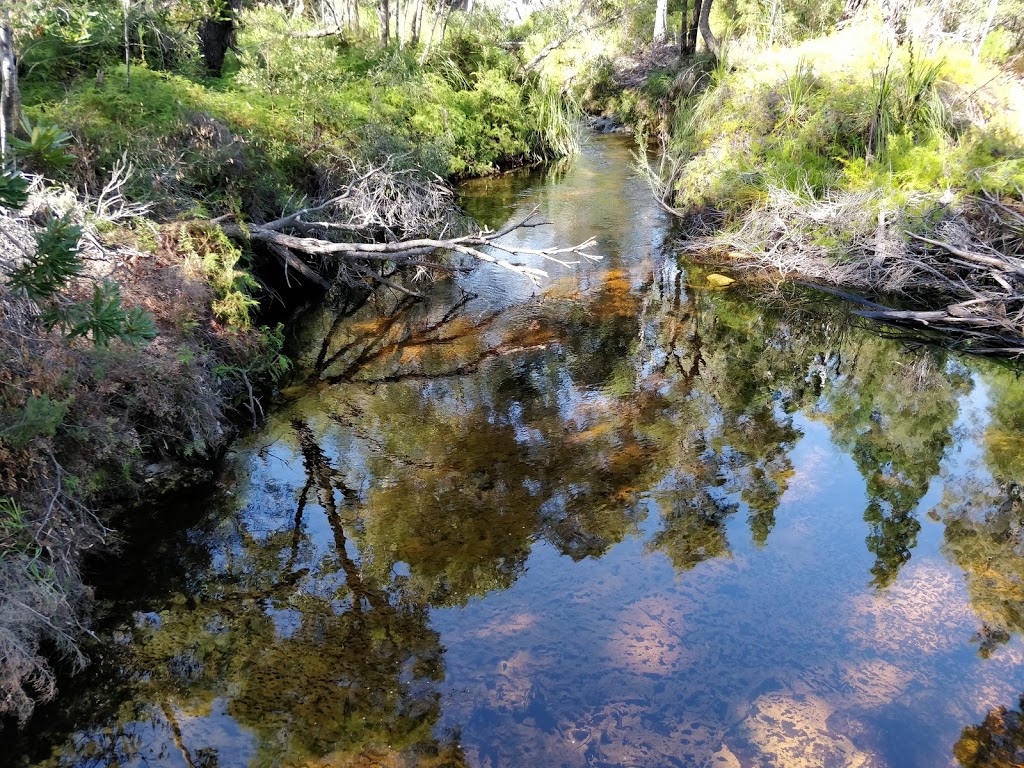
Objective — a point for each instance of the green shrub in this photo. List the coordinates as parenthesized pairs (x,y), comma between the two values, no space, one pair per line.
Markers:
(45,277)
(102,318)
(41,417)
(54,263)
(61,41)
(211,254)
(45,148)
(13,190)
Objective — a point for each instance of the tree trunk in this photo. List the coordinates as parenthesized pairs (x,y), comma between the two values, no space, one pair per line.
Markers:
(417,21)
(852,7)
(384,15)
(684,30)
(660,28)
(127,48)
(10,95)
(705,30)
(216,35)
(992,6)
(399,24)
(430,37)
(444,21)
(692,43)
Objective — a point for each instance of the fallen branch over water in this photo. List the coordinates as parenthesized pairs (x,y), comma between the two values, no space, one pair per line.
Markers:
(409,252)
(382,217)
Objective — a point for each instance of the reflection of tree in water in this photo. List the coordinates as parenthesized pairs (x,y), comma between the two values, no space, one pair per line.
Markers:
(725,419)
(984,517)
(1005,432)
(984,536)
(894,414)
(474,470)
(354,673)
(318,659)
(563,441)
(997,743)
(571,425)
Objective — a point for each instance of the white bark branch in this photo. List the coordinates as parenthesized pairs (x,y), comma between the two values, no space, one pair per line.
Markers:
(404,251)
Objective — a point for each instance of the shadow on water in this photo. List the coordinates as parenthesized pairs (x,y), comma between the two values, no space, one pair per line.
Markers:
(624,521)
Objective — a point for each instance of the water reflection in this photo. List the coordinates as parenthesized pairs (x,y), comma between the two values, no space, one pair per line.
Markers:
(627,522)
(998,742)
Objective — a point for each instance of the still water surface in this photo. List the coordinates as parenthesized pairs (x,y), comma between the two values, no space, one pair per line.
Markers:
(619,521)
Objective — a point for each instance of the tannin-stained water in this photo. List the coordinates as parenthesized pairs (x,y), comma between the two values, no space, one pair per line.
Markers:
(619,520)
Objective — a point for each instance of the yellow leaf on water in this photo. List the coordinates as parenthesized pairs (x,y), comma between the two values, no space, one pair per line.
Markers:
(720,280)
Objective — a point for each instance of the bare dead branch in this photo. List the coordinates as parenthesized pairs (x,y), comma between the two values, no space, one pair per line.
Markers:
(318,33)
(400,252)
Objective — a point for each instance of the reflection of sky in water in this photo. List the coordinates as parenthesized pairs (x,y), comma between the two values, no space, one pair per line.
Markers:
(776,650)
(634,533)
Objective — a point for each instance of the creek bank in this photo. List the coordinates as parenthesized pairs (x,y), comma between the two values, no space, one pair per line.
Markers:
(883,166)
(856,161)
(87,431)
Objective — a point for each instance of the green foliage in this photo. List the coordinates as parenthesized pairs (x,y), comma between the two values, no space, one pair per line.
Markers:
(820,127)
(55,261)
(61,41)
(798,86)
(294,108)
(780,22)
(557,122)
(69,37)
(13,190)
(17,538)
(102,319)
(45,276)
(45,147)
(258,362)
(41,417)
(658,84)
(216,258)
(595,83)
(905,100)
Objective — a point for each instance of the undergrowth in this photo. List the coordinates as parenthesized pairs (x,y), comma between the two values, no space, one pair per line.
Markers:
(907,138)
(293,109)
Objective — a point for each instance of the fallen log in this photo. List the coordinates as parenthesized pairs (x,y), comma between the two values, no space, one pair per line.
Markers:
(977,258)
(406,252)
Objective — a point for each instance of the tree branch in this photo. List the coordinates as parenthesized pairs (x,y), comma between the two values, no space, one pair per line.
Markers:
(403,251)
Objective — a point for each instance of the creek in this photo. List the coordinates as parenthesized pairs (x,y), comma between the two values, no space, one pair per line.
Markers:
(620,520)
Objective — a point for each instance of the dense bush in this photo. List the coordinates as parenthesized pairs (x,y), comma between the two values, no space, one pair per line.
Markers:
(289,109)
(872,118)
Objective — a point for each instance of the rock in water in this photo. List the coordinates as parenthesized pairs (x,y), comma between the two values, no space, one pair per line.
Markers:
(720,281)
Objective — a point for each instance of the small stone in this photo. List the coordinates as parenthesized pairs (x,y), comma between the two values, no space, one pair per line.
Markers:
(720,281)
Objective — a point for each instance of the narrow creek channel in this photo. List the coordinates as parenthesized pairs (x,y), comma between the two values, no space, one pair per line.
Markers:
(619,521)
